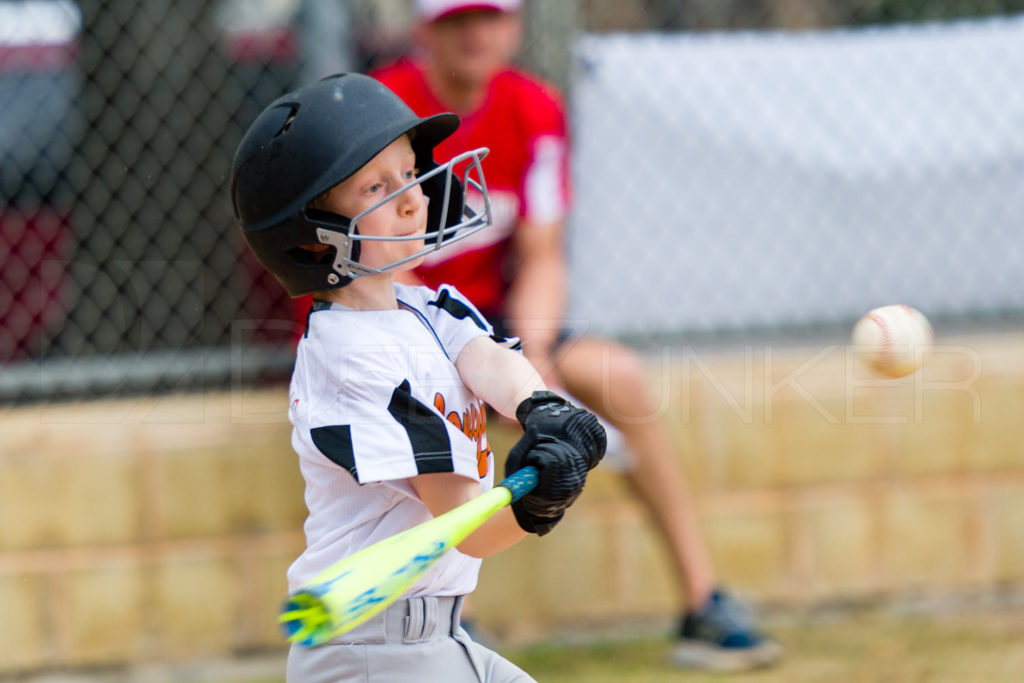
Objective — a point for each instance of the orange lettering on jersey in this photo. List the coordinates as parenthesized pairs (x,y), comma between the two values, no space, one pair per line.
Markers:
(472,423)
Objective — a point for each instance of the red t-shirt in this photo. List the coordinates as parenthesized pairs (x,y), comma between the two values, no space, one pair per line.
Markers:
(522,122)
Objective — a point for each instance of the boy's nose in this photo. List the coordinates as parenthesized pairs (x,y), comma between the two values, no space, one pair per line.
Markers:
(410,200)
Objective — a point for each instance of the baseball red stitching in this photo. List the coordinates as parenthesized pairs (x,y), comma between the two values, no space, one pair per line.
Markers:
(884,356)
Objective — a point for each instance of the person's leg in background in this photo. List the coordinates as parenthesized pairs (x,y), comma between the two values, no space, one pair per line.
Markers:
(715,631)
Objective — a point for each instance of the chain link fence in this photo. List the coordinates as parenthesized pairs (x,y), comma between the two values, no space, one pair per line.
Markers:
(121,268)
(766,181)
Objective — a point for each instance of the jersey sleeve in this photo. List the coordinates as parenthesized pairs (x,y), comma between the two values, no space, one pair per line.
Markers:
(546,189)
(455,320)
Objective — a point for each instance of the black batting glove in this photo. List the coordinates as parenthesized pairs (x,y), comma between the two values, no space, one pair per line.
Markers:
(554,417)
(561,474)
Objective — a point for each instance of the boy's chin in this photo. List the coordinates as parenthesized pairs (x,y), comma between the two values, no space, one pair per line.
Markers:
(411,265)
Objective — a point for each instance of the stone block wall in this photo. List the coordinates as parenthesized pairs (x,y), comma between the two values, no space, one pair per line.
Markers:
(154,529)
(159,529)
(815,483)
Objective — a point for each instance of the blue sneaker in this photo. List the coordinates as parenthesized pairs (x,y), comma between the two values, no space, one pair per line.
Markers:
(721,636)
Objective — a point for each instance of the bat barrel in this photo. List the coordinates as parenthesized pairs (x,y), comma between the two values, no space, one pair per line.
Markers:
(361,585)
(305,620)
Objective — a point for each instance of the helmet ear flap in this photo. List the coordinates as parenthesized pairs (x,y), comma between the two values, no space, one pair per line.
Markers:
(328,219)
(337,223)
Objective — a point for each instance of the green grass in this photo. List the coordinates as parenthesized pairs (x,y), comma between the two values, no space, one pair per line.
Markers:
(862,647)
(852,646)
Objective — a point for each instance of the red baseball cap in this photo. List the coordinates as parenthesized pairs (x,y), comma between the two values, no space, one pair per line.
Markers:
(432,10)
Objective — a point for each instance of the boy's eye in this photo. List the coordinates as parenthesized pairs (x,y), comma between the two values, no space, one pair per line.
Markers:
(374,188)
(412,174)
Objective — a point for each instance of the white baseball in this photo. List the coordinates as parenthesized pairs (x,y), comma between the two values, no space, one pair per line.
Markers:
(892,340)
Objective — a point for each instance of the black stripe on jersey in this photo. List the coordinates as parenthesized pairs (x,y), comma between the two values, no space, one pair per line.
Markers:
(456,308)
(335,442)
(504,341)
(429,437)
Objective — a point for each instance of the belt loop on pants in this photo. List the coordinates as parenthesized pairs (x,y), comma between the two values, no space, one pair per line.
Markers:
(422,619)
(429,617)
(413,620)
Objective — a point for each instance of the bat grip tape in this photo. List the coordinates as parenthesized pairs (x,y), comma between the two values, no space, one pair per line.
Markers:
(521,483)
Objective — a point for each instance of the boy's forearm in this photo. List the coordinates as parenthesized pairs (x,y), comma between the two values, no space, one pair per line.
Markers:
(496,534)
(444,491)
(500,377)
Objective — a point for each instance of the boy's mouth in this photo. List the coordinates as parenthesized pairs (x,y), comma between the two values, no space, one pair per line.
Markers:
(415,231)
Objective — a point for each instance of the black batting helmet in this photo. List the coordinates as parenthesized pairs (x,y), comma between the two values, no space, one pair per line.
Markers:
(309,140)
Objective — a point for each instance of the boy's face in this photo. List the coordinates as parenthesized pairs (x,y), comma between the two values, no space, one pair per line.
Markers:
(392,169)
(470,47)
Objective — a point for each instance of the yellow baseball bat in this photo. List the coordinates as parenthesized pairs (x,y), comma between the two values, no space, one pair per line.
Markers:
(363,584)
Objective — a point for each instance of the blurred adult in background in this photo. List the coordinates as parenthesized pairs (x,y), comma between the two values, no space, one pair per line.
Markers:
(516,273)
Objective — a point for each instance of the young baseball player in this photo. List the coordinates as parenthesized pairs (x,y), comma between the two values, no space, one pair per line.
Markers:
(336,189)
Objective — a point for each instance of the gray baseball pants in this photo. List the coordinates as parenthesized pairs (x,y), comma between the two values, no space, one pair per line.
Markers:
(418,639)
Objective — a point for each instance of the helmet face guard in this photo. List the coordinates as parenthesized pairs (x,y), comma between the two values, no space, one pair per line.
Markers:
(462,220)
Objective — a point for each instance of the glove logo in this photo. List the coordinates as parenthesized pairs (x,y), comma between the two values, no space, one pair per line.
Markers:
(556,410)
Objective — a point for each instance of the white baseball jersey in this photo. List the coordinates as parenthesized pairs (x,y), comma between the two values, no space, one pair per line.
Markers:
(375,398)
